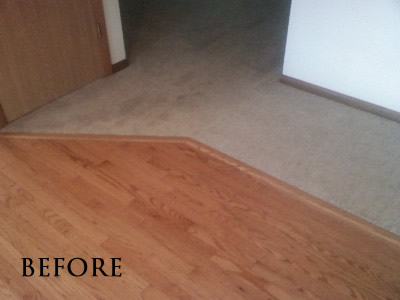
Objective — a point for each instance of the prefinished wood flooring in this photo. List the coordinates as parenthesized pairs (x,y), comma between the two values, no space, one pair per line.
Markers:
(188,222)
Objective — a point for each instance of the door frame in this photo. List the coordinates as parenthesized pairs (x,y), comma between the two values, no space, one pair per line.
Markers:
(98,11)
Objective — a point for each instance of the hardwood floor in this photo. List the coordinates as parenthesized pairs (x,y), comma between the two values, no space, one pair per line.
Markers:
(187,221)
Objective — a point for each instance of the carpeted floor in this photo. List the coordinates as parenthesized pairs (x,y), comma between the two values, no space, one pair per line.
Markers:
(210,70)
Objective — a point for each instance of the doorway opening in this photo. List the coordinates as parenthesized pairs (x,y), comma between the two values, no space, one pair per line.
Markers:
(231,35)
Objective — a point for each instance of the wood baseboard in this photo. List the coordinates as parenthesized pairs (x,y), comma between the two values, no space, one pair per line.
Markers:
(119,66)
(341,98)
(3,120)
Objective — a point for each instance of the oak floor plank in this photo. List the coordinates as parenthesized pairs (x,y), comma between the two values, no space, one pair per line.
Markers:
(13,286)
(44,224)
(206,212)
(152,293)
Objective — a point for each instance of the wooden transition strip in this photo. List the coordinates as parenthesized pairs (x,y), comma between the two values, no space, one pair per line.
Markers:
(341,98)
(93,137)
(119,66)
(301,195)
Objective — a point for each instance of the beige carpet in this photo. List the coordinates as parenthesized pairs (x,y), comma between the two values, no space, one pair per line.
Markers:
(209,70)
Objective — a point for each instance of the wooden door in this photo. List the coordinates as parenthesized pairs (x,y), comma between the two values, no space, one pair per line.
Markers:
(48,48)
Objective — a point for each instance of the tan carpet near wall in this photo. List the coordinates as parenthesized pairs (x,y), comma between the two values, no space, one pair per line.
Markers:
(210,70)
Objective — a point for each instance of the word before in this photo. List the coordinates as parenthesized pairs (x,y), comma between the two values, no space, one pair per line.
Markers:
(95,268)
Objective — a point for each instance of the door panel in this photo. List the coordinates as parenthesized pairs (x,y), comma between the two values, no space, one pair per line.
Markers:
(48,48)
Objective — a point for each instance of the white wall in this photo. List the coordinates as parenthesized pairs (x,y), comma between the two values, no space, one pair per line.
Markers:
(348,46)
(112,16)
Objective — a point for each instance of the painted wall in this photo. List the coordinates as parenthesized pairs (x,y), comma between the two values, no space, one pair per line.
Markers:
(348,46)
(112,16)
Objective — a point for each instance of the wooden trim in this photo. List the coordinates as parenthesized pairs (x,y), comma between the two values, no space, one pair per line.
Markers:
(3,119)
(259,175)
(119,66)
(93,137)
(105,49)
(338,97)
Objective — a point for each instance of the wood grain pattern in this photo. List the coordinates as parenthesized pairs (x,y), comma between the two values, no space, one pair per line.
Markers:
(189,223)
(48,48)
